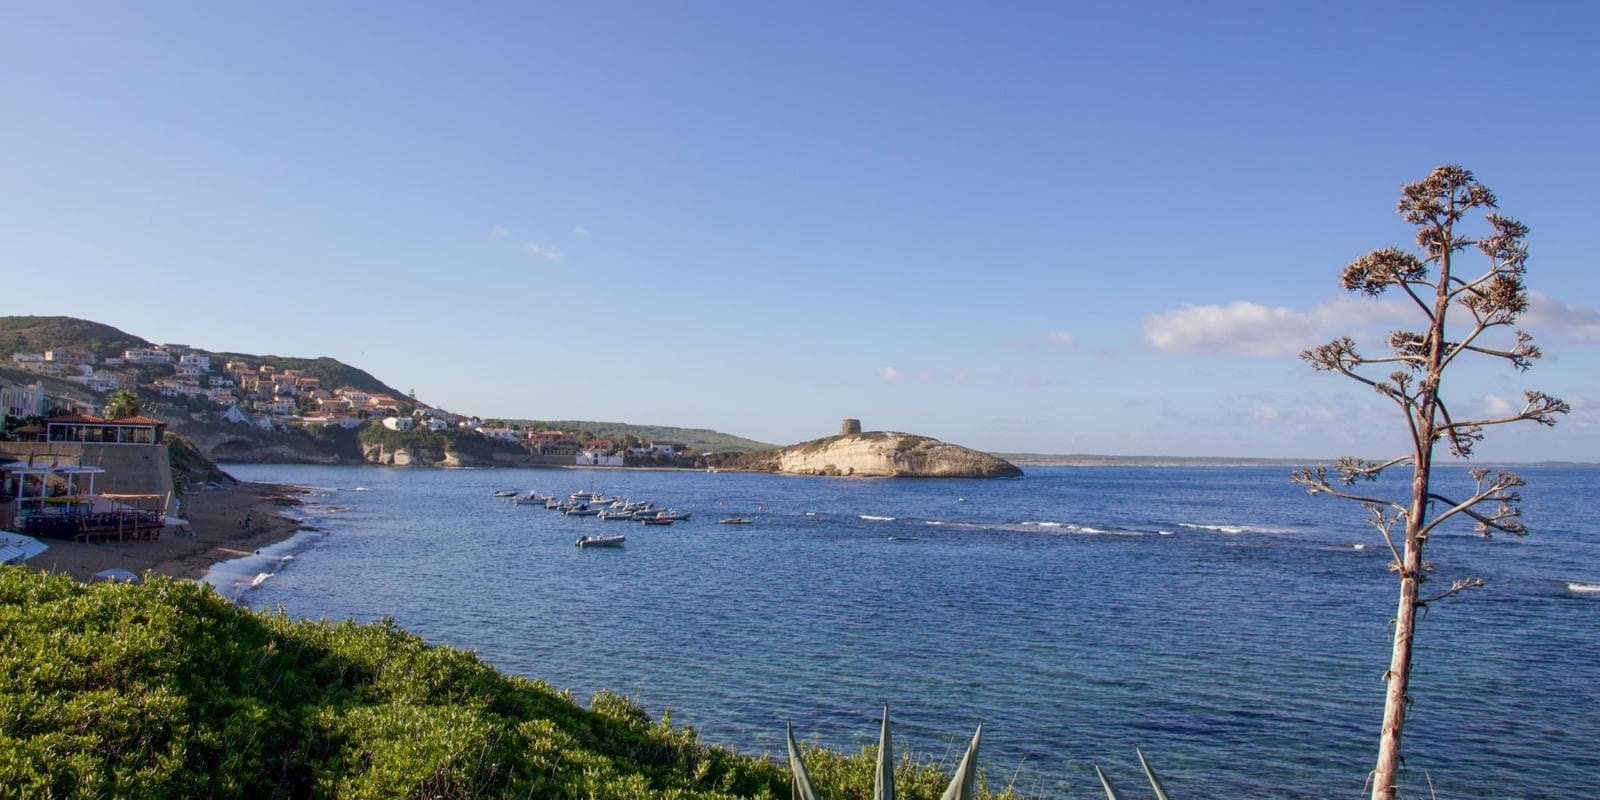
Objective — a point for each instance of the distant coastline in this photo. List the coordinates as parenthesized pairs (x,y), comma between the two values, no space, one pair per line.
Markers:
(1089,460)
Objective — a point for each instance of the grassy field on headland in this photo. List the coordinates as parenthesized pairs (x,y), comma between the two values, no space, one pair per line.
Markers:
(167,690)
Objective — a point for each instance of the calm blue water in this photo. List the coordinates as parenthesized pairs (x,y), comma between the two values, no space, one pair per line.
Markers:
(1219,618)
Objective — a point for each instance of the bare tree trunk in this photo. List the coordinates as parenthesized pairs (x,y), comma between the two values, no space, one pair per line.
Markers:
(1385,779)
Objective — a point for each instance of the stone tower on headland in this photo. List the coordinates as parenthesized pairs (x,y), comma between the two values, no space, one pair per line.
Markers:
(850,427)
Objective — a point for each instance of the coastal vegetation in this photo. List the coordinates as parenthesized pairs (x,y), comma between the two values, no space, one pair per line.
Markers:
(1443,292)
(167,690)
(122,403)
(696,439)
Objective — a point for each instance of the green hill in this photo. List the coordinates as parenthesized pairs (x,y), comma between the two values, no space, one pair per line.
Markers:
(700,439)
(332,372)
(37,334)
(168,690)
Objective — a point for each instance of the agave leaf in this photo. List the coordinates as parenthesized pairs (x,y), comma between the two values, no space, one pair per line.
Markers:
(1111,792)
(965,782)
(800,780)
(883,784)
(1155,783)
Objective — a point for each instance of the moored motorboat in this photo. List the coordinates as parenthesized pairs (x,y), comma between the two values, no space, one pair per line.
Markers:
(582,511)
(507,493)
(672,515)
(656,521)
(602,541)
(734,521)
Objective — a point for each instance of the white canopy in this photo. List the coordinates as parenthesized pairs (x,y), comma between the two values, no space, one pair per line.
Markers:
(16,548)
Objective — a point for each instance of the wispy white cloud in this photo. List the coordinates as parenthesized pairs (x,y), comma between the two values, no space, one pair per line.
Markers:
(1258,330)
(1569,321)
(1048,340)
(499,232)
(893,375)
(546,252)
(1241,327)
(1496,406)
(580,232)
(1265,414)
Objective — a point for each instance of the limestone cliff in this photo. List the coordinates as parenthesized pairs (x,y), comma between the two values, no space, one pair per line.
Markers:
(883,454)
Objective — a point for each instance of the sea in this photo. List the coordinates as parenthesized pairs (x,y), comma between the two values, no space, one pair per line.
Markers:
(1233,628)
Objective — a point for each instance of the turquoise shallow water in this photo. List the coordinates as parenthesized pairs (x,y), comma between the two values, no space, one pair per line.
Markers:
(1216,617)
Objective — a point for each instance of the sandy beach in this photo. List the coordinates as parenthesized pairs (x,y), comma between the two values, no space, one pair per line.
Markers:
(213,535)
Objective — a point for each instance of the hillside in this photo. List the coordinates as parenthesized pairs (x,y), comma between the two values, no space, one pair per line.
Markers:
(35,334)
(168,690)
(196,418)
(700,439)
(332,372)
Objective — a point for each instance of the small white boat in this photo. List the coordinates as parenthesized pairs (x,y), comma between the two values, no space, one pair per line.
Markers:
(583,511)
(734,521)
(602,541)
(672,515)
(507,493)
(656,521)
(615,516)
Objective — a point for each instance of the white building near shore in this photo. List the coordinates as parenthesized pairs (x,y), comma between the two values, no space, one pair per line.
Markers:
(595,458)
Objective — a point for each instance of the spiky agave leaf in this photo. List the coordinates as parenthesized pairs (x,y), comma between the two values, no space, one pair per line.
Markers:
(883,784)
(1111,792)
(1155,783)
(964,784)
(800,780)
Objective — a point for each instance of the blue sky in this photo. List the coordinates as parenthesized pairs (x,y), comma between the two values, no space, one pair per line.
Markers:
(1030,226)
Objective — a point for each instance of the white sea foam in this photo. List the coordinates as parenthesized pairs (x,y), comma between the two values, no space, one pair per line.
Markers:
(1045,524)
(1164,533)
(361,489)
(1358,546)
(935,522)
(871,518)
(1217,528)
(1583,588)
(260,579)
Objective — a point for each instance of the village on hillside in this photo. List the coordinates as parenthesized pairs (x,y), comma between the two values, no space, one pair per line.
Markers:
(270,398)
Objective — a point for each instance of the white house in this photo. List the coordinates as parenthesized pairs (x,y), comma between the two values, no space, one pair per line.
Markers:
(146,355)
(22,400)
(97,382)
(503,434)
(196,361)
(595,458)
(399,423)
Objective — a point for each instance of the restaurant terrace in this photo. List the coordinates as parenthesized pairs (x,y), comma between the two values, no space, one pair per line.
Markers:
(85,429)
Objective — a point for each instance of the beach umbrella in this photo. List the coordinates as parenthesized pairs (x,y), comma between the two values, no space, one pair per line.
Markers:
(115,575)
(16,548)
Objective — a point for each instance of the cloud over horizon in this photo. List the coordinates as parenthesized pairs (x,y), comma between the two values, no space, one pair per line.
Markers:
(1571,321)
(1256,330)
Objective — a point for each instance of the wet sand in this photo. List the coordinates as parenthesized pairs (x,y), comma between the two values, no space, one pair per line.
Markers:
(213,535)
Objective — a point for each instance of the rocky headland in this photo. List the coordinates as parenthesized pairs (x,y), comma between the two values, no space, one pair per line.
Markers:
(877,454)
